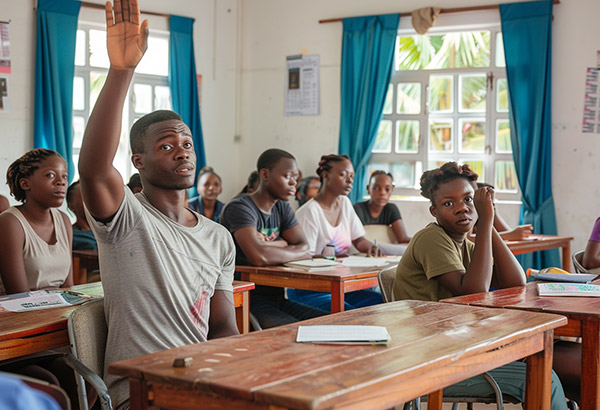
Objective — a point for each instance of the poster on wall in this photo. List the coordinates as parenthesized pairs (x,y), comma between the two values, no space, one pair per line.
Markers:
(4,49)
(591,104)
(4,95)
(302,85)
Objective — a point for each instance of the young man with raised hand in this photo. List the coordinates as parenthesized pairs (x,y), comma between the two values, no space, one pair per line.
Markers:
(167,272)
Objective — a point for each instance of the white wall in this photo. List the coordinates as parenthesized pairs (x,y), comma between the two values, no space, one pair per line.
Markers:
(260,33)
(274,29)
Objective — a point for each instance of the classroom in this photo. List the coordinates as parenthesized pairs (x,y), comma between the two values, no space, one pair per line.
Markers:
(240,53)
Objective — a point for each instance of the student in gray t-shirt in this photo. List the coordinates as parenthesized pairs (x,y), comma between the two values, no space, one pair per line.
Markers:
(166,271)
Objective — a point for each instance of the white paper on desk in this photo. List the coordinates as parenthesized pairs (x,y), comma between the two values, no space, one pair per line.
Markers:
(42,299)
(343,334)
(365,262)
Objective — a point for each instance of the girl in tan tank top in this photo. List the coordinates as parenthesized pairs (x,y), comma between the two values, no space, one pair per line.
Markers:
(35,244)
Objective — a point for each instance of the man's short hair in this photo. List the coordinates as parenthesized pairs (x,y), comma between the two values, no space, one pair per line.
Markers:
(271,157)
(138,130)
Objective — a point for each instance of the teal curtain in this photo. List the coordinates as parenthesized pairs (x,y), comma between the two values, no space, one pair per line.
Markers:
(54,70)
(367,62)
(183,82)
(527,34)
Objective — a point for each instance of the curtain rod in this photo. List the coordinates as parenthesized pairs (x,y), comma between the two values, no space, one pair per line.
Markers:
(455,10)
(101,7)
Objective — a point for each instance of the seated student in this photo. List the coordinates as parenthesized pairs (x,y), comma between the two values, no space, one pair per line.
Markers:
(328,219)
(266,232)
(4,205)
(506,232)
(591,255)
(209,188)
(378,210)
(135,183)
(35,247)
(441,262)
(307,189)
(83,237)
(167,272)
(251,185)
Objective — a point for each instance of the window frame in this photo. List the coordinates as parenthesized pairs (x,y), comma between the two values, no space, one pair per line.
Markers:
(492,115)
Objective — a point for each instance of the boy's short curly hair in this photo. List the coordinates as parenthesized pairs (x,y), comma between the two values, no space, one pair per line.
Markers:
(24,167)
(432,179)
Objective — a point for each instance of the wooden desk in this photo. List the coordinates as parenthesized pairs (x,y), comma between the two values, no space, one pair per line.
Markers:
(39,330)
(433,345)
(544,243)
(337,281)
(583,316)
(83,262)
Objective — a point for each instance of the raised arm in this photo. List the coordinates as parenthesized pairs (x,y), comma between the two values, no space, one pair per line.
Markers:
(400,231)
(259,253)
(101,184)
(478,276)
(508,272)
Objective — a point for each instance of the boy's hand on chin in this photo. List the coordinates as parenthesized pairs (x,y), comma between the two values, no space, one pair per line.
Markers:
(484,204)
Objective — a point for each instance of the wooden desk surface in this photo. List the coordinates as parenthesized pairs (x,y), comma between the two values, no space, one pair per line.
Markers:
(543,243)
(433,345)
(31,332)
(336,281)
(583,314)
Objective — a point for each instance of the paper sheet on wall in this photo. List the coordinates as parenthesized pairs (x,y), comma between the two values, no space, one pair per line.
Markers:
(591,104)
(4,101)
(302,85)
(4,49)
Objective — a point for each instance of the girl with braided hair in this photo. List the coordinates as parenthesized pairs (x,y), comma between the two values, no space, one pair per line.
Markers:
(35,248)
(329,220)
(441,262)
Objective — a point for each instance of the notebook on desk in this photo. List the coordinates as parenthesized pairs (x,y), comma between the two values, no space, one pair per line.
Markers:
(568,289)
(343,334)
(561,277)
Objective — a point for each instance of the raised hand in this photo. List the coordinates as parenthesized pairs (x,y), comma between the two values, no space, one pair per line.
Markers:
(484,204)
(126,39)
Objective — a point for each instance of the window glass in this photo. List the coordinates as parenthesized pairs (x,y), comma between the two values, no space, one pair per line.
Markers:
(440,93)
(142,95)
(383,142)
(506,176)
(97,79)
(502,95)
(438,51)
(154,61)
(78,129)
(80,44)
(472,135)
(389,100)
(500,62)
(503,142)
(97,47)
(78,93)
(407,136)
(440,135)
(405,173)
(476,166)
(162,98)
(408,98)
(473,91)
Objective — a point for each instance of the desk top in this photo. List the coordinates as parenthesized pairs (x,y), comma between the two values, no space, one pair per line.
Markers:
(337,274)
(16,325)
(527,298)
(539,242)
(428,338)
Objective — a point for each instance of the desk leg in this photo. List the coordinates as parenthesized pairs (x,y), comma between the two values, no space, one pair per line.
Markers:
(590,383)
(138,394)
(245,313)
(539,376)
(566,256)
(434,400)
(337,297)
(76,270)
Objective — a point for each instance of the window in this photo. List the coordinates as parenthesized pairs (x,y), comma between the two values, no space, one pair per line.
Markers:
(447,101)
(149,90)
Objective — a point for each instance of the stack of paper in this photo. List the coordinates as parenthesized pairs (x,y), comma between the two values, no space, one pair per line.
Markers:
(311,265)
(41,299)
(568,289)
(343,334)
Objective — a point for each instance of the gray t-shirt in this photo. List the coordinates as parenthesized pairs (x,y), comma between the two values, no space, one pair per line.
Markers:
(158,277)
